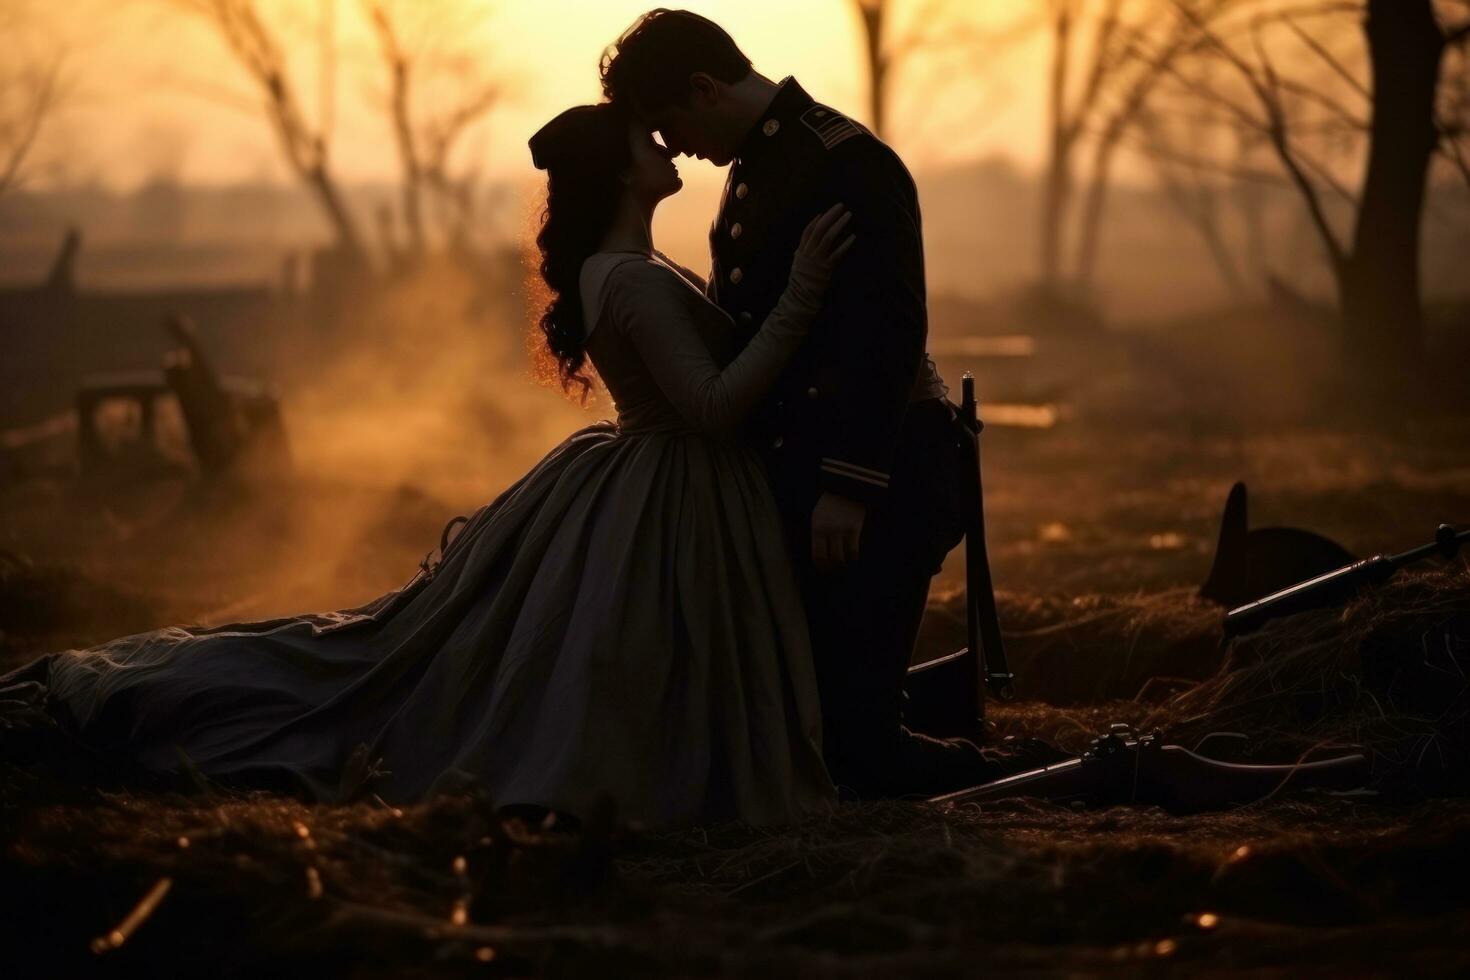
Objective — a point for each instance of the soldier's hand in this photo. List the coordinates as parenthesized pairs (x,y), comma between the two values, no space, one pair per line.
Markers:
(837,527)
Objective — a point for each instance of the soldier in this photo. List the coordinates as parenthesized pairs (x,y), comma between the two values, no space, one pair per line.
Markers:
(858,435)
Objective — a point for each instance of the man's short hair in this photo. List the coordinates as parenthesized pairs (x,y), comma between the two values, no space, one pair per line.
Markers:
(649,66)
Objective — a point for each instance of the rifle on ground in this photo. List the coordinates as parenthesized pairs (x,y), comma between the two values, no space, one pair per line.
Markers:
(1340,584)
(946,697)
(1125,768)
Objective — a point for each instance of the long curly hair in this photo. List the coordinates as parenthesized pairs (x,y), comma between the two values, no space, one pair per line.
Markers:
(582,195)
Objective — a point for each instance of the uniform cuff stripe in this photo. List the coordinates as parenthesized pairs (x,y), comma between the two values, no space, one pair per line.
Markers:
(846,475)
(828,463)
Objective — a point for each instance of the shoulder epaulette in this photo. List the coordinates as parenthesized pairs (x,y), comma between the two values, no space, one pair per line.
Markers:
(831,126)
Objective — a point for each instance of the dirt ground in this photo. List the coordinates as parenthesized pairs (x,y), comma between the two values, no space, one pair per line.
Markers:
(1100,533)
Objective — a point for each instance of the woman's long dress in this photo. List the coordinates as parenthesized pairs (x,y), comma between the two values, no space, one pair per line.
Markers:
(623,620)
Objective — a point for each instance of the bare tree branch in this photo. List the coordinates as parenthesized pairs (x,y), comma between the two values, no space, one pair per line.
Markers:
(1150,60)
(1198,202)
(1098,72)
(399,114)
(1325,175)
(18,136)
(1264,82)
(1153,147)
(33,85)
(1328,58)
(934,29)
(220,95)
(259,52)
(1324,100)
(426,141)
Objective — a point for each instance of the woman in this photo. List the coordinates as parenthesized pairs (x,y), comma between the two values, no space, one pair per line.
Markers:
(621,621)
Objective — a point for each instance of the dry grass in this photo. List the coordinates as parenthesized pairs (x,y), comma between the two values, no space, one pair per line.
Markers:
(880,889)
(1387,673)
(255,882)
(1097,539)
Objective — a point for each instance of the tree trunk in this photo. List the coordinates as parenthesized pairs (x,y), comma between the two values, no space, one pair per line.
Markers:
(1381,305)
(1094,205)
(871,15)
(1214,239)
(1057,188)
(1250,201)
(412,190)
(348,240)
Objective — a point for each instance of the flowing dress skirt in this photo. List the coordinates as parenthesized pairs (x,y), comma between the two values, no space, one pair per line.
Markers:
(623,620)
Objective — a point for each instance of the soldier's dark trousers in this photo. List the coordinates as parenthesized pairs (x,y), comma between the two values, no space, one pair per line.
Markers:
(864,616)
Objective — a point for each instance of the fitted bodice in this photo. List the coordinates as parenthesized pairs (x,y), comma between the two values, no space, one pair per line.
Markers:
(642,403)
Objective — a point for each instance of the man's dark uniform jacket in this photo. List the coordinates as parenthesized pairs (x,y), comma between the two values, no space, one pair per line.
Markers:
(859,412)
(836,419)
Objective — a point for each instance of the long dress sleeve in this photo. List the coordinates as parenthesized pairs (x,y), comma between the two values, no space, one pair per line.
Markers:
(652,307)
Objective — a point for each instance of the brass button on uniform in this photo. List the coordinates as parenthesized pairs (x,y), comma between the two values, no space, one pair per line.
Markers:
(736,275)
(735,230)
(812,393)
(771,126)
(778,443)
(741,190)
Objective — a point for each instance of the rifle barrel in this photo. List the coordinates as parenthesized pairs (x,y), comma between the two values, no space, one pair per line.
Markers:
(1338,584)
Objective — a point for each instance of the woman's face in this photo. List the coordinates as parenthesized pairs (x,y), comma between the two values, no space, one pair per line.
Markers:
(651,174)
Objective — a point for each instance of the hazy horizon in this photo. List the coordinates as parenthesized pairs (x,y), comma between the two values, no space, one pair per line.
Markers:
(160,123)
(186,111)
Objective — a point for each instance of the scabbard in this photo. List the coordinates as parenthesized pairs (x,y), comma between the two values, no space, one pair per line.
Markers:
(983,619)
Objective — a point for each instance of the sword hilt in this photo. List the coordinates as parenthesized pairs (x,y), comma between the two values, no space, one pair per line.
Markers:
(969,407)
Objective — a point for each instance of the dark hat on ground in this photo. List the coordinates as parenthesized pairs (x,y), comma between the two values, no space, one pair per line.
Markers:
(577,134)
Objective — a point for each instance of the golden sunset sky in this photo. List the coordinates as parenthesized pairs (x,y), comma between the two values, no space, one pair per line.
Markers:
(153,90)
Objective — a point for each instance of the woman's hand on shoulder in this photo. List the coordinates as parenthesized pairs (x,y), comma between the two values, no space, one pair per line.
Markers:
(823,244)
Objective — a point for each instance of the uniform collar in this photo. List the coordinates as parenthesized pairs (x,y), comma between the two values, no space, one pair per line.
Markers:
(789,102)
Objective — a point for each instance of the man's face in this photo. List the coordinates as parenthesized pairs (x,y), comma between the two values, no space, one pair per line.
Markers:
(692,130)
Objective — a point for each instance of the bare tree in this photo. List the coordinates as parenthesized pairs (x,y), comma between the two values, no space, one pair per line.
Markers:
(875,18)
(258,49)
(437,91)
(1106,59)
(1390,106)
(1381,302)
(1195,189)
(31,87)
(1148,46)
(890,42)
(1085,46)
